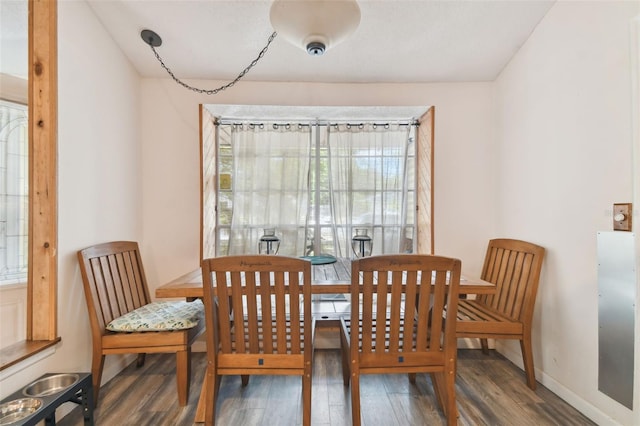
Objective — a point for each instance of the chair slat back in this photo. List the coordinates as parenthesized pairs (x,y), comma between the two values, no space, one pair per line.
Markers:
(113,279)
(256,301)
(397,303)
(514,267)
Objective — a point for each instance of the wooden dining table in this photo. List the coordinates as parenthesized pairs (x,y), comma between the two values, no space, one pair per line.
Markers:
(330,278)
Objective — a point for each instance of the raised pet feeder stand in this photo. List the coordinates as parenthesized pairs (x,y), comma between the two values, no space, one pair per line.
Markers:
(39,400)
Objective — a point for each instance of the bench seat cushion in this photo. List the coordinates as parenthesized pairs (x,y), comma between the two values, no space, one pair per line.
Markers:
(160,316)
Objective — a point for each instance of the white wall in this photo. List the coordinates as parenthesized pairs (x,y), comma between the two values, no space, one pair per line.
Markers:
(564,134)
(464,165)
(99,179)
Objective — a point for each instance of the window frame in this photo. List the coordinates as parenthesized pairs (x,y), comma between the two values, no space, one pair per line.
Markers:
(43,186)
(424,191)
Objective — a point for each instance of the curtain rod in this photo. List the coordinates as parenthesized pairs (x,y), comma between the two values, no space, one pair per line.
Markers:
(298,123)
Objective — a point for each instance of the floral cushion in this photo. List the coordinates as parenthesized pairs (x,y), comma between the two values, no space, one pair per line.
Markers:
(160,316)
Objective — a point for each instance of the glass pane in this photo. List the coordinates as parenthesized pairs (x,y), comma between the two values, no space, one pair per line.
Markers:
(14,197)
(225,206)
(375,171)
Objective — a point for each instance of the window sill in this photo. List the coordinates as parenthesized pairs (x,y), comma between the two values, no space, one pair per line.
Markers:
(12,285)
(20,351)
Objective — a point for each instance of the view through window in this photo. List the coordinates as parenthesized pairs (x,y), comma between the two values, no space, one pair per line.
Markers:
(315,183)
(14,193)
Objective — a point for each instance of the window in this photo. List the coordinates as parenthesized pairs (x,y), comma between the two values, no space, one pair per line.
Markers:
(14,193)
(315,183)
(370,182)
(264,170)
(400,220)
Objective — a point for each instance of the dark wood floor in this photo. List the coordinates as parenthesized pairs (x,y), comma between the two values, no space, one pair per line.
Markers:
(490,391)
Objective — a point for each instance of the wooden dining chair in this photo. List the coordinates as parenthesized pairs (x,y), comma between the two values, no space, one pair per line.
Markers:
(125,320)
(397,326)
(259,322)
(514,267)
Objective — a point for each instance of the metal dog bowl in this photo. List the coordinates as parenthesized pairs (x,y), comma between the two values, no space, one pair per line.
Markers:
(51,384)
(18,409)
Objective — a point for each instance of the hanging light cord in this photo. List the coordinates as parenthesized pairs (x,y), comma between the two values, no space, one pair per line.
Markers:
(221,88)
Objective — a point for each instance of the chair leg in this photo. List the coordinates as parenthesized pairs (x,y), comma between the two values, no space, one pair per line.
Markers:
(344,350)
(450,391)
(412,378)
(306,398)
(355,399)
(527,360)
(140,361)
(211,388)
(444,385)
(484,343)
(245,379)
(183,375)
(97,363)
(437,389)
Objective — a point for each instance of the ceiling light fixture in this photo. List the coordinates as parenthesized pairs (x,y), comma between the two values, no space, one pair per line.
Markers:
(314,25)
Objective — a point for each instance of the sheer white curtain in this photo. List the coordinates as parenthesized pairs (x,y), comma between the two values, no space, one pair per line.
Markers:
(369,171)
(270,185)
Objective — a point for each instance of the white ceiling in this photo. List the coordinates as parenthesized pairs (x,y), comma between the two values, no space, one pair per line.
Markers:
(397,40)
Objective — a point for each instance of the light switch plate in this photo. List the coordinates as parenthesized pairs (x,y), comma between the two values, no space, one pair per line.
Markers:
(622,217)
